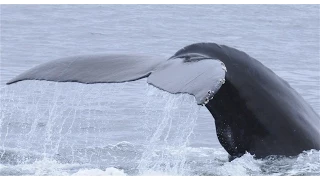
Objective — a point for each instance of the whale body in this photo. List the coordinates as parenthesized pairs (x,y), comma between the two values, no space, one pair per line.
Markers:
(255,110)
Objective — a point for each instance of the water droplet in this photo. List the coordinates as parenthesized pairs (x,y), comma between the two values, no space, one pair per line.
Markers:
(224,68)
(206,101)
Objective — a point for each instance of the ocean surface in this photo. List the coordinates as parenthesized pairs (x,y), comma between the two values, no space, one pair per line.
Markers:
(49,128)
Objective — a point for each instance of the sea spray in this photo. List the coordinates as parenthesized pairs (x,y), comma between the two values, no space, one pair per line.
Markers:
(165,150)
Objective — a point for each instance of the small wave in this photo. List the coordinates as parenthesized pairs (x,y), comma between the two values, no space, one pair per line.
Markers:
(244,166)
(307,163)
(50,167)
(198,162)
(151,172)
(98,172)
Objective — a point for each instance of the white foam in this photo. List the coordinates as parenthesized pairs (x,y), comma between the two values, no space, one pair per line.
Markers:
(156,173)
(307,163)
(98,172)
(50,167)
(243,166)
(42,167)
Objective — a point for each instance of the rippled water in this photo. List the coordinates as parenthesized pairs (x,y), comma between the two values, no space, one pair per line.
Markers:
(49,128)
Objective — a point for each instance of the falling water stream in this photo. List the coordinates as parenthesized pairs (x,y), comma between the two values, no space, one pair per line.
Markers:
(49,128)
(76,123)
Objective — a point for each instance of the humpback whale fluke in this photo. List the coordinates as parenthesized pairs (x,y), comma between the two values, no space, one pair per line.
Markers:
(102,68)
(255,110)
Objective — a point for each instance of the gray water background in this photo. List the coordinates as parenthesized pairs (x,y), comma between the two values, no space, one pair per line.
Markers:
(45,117)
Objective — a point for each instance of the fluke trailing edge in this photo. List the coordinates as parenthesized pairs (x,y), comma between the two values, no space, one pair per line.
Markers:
(255,110)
